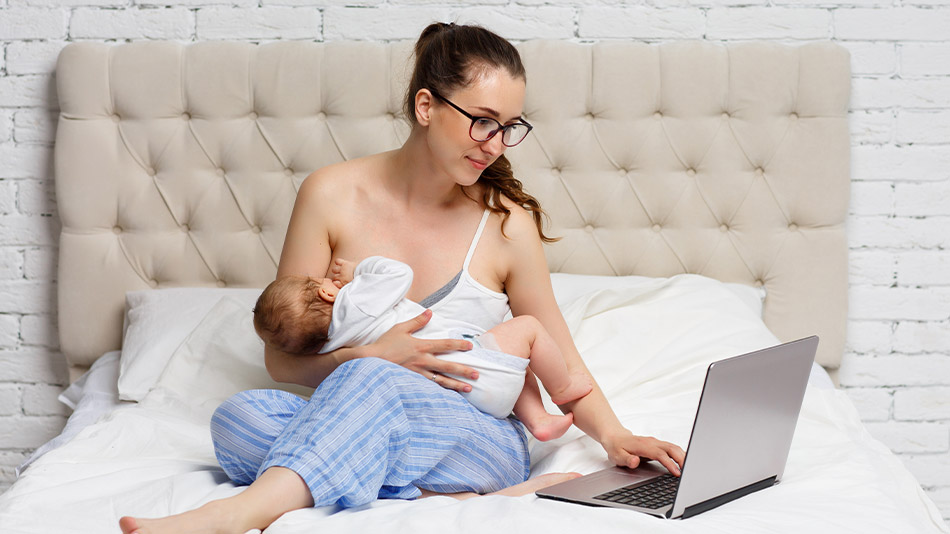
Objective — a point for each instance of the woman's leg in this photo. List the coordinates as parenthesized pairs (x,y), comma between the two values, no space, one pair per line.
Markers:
(276,492)
(245,427)
(372,429)
(377,430)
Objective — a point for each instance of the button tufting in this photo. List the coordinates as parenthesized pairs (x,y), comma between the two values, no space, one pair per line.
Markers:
(153,283)
(322,115)
(725,115)
(623,172)
(117,229)
(657,227)
(184,228)
(391,116)
(589,229)
(759,171)
(186,116)
(219,171)
(252,115)
(759,283)
(723,228)
(792,227)
(589,116)
(691,172)
(288,172)
(222,283)
(115,117)
(657,115)
(150,171)
(556,171)
(793,115)
(256,229)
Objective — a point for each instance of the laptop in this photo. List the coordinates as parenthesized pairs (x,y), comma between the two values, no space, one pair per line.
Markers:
(739,444)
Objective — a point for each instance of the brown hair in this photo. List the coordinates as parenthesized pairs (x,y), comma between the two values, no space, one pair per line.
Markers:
(292,317)
(449,56)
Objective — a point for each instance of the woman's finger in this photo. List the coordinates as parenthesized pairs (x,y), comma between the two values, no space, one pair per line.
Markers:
(451,368)
(416,323)
(450,383)
(437,346)
(668,463)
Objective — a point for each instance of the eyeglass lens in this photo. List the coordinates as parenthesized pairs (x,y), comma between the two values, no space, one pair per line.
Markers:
(484,128)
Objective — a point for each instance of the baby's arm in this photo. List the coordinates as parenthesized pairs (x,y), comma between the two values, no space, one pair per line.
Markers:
(377,285)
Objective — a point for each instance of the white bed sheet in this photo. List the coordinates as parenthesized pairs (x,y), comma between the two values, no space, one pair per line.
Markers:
(648,346)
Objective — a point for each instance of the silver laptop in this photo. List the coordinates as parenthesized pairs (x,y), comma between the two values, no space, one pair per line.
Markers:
(741,436)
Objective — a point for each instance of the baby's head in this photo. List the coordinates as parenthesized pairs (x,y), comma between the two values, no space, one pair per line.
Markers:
(293,313)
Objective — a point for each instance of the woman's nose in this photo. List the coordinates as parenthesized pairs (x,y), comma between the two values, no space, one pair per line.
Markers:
(494,146)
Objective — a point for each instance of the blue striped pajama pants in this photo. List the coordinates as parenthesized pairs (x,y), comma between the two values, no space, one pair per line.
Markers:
(372,430)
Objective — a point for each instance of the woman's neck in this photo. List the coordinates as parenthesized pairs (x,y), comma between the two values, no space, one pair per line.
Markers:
(416,180)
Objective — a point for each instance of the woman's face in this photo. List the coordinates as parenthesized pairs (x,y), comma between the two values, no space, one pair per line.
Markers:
(495,94)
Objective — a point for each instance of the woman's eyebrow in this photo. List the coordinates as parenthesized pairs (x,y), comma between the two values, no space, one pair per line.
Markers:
(494,114)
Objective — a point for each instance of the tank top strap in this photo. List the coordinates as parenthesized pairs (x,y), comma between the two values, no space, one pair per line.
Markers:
(478,234)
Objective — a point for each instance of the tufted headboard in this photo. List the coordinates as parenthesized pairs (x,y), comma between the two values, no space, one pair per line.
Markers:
(177,165)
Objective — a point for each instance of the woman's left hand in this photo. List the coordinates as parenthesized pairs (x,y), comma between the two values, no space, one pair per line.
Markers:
(625,449)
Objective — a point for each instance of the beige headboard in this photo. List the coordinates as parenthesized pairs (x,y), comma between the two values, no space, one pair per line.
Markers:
(177,165)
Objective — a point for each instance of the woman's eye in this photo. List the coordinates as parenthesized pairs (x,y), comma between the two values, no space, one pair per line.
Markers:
(484,123)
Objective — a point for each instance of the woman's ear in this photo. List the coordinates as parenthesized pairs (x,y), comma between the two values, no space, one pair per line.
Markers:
(423,105)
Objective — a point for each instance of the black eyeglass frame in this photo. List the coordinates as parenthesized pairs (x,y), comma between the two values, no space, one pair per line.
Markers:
(501,127)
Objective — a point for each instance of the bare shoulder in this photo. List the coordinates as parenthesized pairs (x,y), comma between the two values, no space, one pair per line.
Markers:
(519,227)
(335,178)
(335,187)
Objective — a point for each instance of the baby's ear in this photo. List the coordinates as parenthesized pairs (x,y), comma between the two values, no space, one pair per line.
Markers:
(325,295)
(338,283)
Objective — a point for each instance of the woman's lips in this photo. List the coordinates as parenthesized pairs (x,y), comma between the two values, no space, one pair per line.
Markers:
(480,165)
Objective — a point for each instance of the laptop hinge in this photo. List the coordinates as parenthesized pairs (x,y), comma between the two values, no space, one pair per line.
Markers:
(699,508)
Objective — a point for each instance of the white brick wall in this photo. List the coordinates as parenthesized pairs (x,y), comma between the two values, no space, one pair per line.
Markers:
(897,365)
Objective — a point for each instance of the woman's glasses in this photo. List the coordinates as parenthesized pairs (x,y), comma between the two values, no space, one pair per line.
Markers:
(484,128)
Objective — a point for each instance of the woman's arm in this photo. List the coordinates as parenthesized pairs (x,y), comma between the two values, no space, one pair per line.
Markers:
(528,285)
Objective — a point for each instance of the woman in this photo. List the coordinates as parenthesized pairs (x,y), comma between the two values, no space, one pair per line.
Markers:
(374,428)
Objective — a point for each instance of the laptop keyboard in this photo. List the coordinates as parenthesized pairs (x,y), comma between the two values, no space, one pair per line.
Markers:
(656,493)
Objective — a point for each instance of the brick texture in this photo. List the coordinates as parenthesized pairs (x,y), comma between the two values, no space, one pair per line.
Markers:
(897,365)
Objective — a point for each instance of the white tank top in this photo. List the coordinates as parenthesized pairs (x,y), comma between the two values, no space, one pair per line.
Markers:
(470,301)
(374,302)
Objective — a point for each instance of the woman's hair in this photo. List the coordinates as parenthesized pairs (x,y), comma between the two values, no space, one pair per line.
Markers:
(450,56)
(291,316)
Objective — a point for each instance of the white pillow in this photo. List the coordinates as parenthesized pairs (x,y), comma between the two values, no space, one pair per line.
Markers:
(156,322)
(568,287)
(221,357)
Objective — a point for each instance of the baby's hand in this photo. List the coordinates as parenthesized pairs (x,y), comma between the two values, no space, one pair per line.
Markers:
(342,271)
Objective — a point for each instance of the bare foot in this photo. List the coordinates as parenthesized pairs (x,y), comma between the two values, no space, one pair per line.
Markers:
(207,519)
(580,385)
(525,488)
(342,270)
(548,426)
(534,484)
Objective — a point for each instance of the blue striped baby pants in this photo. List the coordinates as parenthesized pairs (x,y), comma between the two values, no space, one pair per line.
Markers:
(373,429)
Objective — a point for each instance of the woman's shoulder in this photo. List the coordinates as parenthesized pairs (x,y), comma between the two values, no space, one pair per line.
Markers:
(333,182)
(518,225)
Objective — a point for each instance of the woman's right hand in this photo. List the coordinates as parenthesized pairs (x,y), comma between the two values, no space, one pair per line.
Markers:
(399,346)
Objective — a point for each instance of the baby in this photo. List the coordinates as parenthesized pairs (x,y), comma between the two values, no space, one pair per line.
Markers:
(308,316)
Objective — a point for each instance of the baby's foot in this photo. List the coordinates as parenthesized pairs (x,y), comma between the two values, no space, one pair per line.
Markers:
(549,426)
(342,270)
(579,386)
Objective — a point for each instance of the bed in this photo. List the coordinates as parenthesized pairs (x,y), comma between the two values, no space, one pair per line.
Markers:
(700,191)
